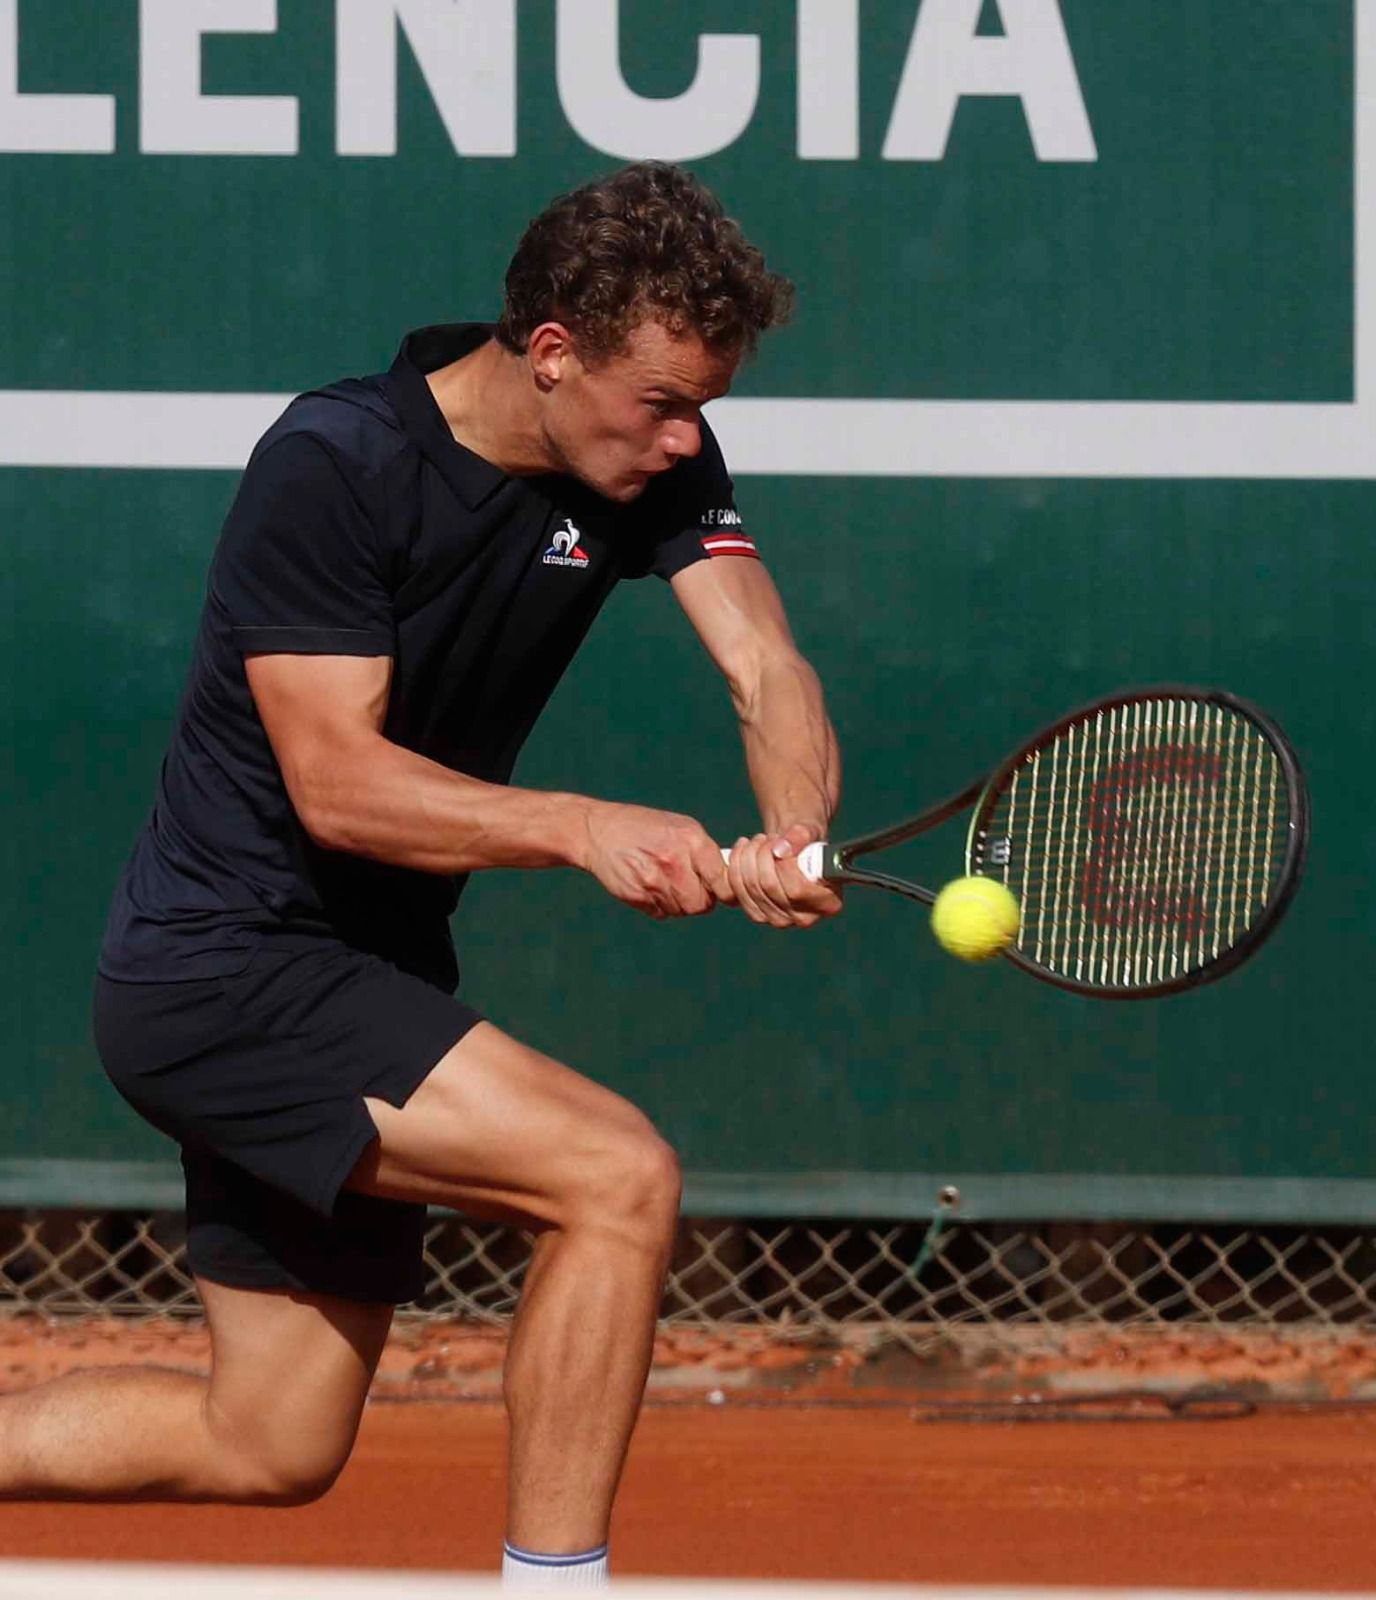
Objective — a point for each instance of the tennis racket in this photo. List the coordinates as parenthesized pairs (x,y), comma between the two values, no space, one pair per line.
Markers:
(1153,839)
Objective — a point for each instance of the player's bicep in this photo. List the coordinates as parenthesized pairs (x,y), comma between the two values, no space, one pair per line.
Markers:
(320,713)
(736,611)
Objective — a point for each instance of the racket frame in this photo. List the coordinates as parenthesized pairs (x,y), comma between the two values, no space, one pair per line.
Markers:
(838,859)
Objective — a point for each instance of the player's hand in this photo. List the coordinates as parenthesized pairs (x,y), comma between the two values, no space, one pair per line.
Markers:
(663,864)
(769,887)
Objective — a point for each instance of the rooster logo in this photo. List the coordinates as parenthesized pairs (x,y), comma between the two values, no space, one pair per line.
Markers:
(564,548)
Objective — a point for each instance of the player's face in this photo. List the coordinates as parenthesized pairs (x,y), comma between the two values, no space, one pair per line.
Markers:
(619,424)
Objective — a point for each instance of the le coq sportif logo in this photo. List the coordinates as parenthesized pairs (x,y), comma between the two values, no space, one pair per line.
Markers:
(564,548)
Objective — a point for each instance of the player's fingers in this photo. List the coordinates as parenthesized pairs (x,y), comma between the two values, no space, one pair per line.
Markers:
(680,898)
(735,872)
(712,870)
(803,900)
(745,881)
(662,897)
(761,872)
(807,897)
(798,837)
(826,899)
(778,875)
(693,895)
(653,891)
(684,889)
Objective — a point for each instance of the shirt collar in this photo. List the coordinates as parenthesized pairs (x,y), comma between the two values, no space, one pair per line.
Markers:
(470,477)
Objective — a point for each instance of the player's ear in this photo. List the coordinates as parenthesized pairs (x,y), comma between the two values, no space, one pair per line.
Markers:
(550,352)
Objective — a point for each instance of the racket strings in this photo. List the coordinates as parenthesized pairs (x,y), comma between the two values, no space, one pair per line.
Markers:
(1142,841)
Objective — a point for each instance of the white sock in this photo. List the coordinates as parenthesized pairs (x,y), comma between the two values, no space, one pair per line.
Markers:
(527,1569)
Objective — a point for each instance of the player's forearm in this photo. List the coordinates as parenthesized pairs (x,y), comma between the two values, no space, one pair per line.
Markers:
(790,747)
(388,803)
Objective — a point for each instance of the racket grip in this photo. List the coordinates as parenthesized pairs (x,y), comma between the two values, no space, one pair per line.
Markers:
(810,862)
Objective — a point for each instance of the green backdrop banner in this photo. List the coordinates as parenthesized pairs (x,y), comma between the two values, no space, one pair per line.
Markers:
(1068,204)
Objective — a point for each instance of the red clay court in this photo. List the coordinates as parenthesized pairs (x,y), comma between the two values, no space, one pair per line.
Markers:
(1277,1500)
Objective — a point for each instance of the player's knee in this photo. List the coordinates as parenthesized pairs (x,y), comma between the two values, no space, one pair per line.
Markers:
(260,1469)
(300,1483)
(635,1188)
(286,1479)
(655,1182)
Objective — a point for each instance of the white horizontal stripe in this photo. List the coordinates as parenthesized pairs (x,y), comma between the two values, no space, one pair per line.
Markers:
(70,428)
(999,439)
(879,438)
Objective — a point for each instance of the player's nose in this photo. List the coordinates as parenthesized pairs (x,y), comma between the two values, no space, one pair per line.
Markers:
(681,438)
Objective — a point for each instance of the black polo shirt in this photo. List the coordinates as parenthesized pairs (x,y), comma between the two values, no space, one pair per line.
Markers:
(362,528)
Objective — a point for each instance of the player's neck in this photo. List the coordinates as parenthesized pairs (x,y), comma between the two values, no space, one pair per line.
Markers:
(485,399)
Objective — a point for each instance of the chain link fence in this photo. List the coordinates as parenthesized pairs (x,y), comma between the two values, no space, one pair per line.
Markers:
(1132,1298)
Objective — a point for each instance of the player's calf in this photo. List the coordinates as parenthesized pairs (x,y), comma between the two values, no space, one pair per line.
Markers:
(142,1433)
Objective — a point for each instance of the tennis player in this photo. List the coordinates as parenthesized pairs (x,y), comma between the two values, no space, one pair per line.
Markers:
(409,565)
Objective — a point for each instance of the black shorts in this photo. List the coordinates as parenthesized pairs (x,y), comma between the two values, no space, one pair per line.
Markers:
(260,1077)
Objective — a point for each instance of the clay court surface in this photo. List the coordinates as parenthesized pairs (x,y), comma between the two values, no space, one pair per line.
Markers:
(758,1485)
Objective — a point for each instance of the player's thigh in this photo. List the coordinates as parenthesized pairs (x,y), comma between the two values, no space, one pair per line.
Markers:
(499,1129)
(289,1377)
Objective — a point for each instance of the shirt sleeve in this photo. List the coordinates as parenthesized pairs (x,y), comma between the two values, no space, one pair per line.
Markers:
(299,568)
(690,515)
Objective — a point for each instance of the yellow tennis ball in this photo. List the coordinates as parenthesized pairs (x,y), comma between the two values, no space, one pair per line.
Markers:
(974,918)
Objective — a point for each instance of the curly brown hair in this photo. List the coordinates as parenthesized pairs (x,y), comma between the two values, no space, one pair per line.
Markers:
(647,241)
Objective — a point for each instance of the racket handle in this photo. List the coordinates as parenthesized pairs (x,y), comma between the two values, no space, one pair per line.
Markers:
(810,862)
